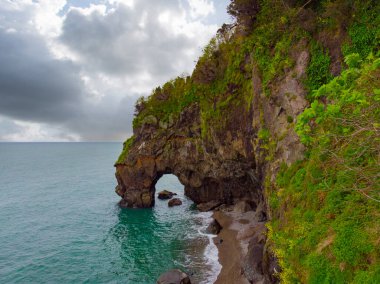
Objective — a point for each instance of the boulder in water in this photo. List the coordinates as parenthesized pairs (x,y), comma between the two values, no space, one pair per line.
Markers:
(166,194)
(174,202)
(174,276)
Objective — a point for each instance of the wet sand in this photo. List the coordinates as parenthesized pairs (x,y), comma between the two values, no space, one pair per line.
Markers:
(230,253)
(232,243)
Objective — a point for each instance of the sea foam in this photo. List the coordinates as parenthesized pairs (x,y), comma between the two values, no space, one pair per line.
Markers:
(211,253)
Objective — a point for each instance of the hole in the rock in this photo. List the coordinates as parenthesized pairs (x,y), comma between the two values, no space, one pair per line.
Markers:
(170,183)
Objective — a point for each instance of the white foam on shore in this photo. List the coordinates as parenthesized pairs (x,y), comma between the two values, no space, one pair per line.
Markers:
(211,253)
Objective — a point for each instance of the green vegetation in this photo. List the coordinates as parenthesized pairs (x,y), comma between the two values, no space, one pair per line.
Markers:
(318,71)
(167,100)
(365,31)
(126,146)
(222,79)
(327,208)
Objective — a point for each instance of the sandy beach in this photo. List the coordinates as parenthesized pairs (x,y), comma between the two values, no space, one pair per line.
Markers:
(233,244)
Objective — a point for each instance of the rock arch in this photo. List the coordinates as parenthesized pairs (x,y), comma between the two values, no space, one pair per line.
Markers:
(207,171)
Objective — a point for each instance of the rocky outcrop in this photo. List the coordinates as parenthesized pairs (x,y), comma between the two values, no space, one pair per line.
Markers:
(228,165)
(174,276)
(207,171)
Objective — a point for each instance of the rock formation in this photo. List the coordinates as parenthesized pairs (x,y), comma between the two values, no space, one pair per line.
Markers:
(227,130)
(229,165)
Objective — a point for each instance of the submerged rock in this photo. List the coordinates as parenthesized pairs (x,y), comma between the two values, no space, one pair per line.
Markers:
(166,194)
(174,202)
(174,276)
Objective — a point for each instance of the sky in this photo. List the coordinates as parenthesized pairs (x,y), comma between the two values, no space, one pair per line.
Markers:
(71,70)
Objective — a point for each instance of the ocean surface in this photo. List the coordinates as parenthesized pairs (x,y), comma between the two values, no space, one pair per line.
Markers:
(60,223)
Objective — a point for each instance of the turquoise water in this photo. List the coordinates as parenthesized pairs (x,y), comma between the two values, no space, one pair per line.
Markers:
(60,223)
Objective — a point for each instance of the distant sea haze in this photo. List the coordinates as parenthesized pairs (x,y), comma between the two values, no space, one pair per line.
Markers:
(60,223)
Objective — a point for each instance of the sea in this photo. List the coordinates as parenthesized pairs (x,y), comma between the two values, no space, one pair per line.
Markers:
(60,222)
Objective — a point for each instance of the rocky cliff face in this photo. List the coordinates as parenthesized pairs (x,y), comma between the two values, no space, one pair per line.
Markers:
(228,130)
(221,169)
(229,165)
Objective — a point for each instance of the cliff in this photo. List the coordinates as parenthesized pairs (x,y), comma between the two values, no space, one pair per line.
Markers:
(281,111)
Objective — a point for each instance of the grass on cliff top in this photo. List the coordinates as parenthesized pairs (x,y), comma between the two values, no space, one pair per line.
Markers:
(167,100)
(126,146)
(326,225)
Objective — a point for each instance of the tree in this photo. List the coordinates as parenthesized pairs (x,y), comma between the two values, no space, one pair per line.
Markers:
(244,11)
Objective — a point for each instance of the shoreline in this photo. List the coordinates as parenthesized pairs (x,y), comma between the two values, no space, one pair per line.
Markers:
(210,251)
(236,242)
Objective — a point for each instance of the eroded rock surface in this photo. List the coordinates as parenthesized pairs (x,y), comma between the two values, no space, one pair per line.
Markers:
(174,276)
(208,171)
(227,165)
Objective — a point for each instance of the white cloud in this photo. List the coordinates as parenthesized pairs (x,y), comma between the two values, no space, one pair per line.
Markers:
(201,8)
(46,18)
(37,132)
(135,48)
(75,72)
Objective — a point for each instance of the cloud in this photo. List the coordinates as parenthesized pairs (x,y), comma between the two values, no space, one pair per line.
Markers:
(108,119)
(152,39)
(21,131)
(201,7)
(72,70)
(33,85)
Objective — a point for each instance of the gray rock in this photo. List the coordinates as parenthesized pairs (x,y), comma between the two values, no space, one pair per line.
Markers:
(174,276)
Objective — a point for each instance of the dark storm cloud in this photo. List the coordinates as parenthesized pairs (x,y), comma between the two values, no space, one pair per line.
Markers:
(108,120)
(38,88)
(33,85)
